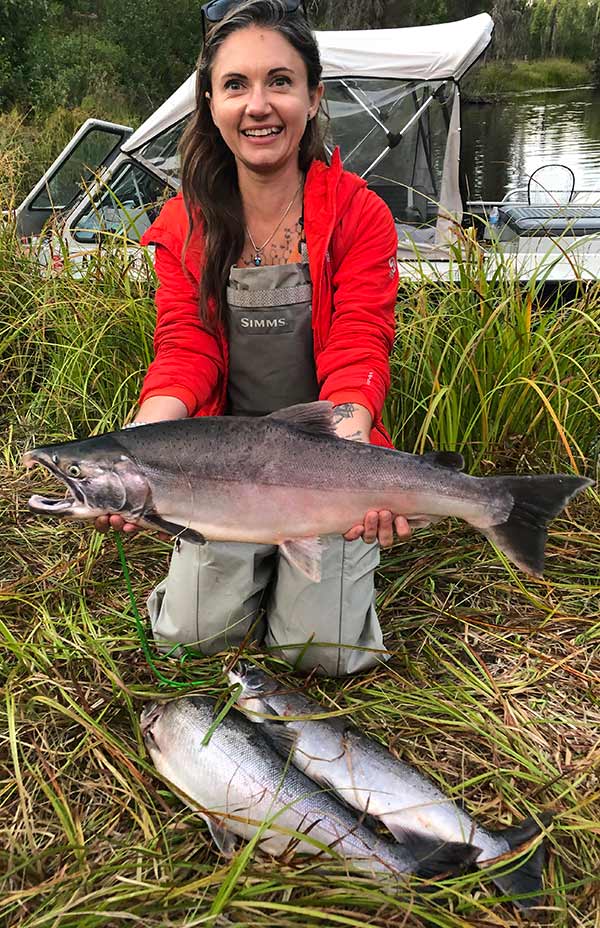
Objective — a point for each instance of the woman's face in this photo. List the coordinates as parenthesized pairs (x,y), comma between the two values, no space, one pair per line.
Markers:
(260,100)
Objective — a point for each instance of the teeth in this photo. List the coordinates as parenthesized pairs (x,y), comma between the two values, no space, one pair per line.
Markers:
(261,131)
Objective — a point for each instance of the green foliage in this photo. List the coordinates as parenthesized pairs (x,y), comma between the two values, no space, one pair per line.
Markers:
(377,14)
(497,77)
(137,51)
(19,19)
(160,43)
(490,369)
(74,346)
(565,28)
(68,68)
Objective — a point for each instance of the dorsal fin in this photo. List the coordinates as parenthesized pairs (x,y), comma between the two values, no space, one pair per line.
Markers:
(450,459)
(311,417)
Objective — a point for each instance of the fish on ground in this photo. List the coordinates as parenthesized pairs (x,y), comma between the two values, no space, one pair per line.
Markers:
(286,479)
(239,784)
(369,778)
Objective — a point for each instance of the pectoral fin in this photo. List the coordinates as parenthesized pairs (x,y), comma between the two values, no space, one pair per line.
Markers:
(305,554)
(171,528)
(281,737)
(225,840)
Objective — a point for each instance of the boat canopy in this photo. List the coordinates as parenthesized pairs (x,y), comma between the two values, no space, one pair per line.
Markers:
(393,106)
(421,53)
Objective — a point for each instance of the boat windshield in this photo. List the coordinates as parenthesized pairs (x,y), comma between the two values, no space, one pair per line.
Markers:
(394,133)
(161,152)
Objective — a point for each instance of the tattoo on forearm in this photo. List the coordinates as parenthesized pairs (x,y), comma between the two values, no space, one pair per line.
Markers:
(344,411)
(356,435)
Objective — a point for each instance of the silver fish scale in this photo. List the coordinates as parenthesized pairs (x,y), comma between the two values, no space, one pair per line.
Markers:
(358,768)
(269,452)
(237,750)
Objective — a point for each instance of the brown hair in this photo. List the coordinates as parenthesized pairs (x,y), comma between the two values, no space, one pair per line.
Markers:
(209,175)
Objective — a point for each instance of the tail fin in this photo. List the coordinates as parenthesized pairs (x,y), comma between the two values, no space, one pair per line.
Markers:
(525,879)
(435,856)
(536,500)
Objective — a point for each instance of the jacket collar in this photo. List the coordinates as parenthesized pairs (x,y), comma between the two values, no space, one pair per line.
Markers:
(327,193)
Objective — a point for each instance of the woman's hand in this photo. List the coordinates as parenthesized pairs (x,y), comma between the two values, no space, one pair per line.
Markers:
(105,523)
(353,422)
(379,525)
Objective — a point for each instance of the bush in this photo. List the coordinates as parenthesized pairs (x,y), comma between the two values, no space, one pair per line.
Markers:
(64,69)
(499,77)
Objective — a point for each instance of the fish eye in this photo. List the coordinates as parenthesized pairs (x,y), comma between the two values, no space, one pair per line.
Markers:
(55,459)
(73,470)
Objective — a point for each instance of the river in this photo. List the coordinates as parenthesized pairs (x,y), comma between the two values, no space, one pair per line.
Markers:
(503,143)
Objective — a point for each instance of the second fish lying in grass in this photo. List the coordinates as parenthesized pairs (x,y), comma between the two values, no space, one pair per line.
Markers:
(241,787)
(286,479)
(370,779)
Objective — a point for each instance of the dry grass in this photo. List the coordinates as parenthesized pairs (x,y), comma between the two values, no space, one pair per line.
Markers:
(492,691)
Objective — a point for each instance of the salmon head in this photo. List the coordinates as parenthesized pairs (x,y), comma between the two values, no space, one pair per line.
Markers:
(101,478)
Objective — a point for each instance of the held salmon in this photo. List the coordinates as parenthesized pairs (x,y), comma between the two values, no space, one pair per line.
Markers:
(286,479)
(369,778)
(239,784)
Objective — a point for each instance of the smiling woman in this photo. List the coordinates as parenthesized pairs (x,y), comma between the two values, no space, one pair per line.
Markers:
(262,113)
(278,283)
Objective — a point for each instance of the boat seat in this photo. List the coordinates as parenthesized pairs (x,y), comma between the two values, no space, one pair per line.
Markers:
(551,220)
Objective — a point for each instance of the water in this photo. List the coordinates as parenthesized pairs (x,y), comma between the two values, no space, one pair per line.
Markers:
(502,144)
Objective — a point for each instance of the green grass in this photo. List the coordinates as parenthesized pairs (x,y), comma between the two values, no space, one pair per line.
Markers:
(499,77)
(496,370)
(492,689)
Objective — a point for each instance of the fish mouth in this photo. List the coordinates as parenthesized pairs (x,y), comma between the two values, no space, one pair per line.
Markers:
(57,506)
(51,505)
(253,679)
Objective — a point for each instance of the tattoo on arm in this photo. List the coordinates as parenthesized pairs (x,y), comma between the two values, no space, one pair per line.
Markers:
(355,435)
(344,411)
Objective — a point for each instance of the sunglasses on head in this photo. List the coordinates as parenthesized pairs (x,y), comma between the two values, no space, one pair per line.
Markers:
(216,10)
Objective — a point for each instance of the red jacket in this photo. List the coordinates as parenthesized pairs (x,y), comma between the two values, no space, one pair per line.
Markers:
(351,242)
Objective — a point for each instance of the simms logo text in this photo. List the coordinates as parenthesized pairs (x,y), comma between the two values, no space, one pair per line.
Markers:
(279,323)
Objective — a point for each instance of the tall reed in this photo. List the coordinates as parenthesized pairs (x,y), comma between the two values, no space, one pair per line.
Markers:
(496,368)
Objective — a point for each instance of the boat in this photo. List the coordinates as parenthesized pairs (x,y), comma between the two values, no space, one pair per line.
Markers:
(393,102)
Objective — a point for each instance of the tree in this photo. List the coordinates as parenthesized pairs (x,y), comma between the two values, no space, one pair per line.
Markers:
(160,41)
(565,28)
(19,19)
(375,14)
(354,14)
(511,33)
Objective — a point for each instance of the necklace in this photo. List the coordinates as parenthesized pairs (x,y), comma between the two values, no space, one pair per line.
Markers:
(258,251)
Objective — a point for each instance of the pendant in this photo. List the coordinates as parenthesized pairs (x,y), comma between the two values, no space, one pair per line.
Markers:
(257,259)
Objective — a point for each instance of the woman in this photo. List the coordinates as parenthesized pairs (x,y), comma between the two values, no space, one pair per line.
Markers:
(277,284)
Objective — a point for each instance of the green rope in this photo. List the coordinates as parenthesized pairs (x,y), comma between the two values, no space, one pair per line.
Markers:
(165,681)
